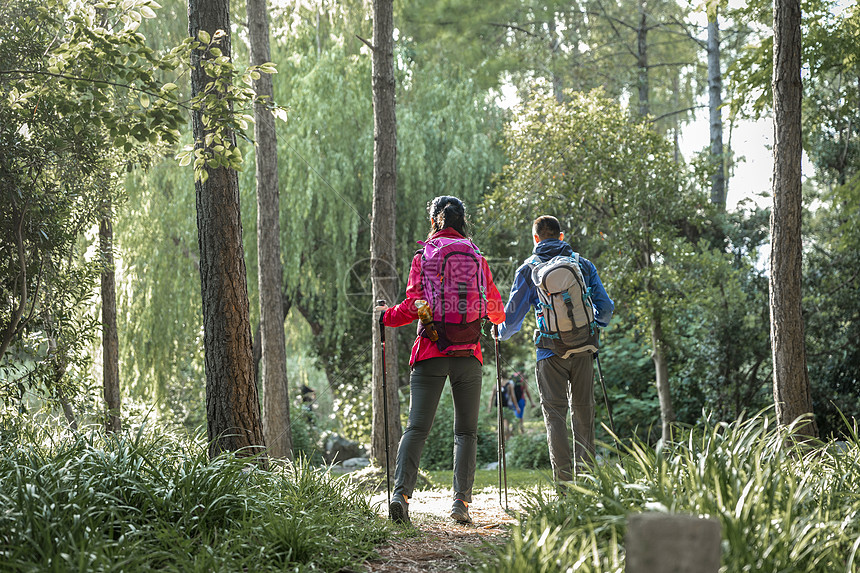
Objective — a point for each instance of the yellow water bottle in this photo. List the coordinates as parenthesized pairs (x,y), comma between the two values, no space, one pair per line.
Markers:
(426,317)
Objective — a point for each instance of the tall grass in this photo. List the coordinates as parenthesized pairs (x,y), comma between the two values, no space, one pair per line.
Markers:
(155,501)
(783,508)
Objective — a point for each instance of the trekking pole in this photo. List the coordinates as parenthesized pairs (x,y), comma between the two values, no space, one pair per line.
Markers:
(606,401)
(384,402)
(503,470)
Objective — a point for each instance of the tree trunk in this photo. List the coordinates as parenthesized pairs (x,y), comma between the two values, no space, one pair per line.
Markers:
(232,406)
(676,121)
(790,375)
(642,61)
(554,47)
(715,101)
(276,396)
(110,339)
(382,235)
(11,329)
(58,365)
(667,412)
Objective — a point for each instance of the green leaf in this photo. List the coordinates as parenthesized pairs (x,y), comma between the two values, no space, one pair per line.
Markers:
(147,12)
(144,100)
(204,36)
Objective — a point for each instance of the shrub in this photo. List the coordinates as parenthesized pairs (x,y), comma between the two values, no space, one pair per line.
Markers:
(307,437)
(781,508)
(527,451)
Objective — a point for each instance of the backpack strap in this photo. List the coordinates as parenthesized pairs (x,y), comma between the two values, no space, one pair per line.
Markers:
(586,292)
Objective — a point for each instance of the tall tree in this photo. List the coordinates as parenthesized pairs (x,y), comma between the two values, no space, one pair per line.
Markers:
(642,68)
(276,400)
(232,406)
(715,102)
(110,338)
(790,375)
(382,235)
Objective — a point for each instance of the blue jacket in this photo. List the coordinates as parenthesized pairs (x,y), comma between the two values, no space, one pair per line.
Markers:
(524,292)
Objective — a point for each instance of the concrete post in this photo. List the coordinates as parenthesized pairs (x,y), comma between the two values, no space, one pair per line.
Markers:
(664,543)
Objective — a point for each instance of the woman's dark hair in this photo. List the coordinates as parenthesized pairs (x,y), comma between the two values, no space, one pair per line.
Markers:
(446,211)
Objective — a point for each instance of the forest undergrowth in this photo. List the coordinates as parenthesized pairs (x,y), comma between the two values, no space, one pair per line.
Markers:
(783,505)
(149,500)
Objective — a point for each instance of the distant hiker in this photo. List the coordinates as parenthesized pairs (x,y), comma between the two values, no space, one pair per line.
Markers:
(570,303)
(511,408)
(309,398)
(451,275)
(520,394)
(514,394)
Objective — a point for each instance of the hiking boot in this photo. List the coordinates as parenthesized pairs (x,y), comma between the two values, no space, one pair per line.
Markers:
(460,511)
(398,509)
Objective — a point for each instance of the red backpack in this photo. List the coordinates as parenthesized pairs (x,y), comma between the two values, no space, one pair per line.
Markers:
(455,288)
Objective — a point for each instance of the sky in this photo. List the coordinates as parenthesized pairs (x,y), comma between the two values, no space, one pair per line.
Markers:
(752,143)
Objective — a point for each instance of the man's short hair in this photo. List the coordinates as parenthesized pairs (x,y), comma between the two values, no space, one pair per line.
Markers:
(546,227)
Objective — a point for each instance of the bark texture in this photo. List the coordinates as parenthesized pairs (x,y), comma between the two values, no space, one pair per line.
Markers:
(790,375)
(276,398)
(715,101)
(11,328)
(59,364)
(232,406)
(110,339)
(382,235)
(661,368)
(554,49)
(642,60)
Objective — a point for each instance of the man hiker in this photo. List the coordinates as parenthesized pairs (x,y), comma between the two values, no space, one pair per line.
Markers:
(564,370)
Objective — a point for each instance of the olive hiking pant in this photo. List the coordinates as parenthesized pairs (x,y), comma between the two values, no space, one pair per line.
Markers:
(426,384)
(567,383)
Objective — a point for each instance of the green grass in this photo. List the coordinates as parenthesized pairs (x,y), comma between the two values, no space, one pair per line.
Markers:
(489,479)
(782,508)
(154,501)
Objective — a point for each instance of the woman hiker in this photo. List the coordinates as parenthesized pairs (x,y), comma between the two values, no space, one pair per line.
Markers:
(453,278)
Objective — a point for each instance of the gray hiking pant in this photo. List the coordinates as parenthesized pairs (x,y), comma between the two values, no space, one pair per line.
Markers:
(426,385)
(567,383)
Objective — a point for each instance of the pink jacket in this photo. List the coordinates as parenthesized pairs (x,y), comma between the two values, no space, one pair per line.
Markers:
(405,312)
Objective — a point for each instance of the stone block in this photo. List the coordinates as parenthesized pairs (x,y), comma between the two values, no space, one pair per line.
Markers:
(672,543)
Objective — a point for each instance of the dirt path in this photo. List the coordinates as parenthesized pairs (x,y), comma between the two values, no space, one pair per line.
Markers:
(441,544)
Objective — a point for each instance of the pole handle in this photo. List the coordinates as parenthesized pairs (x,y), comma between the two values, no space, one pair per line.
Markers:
(381,302)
